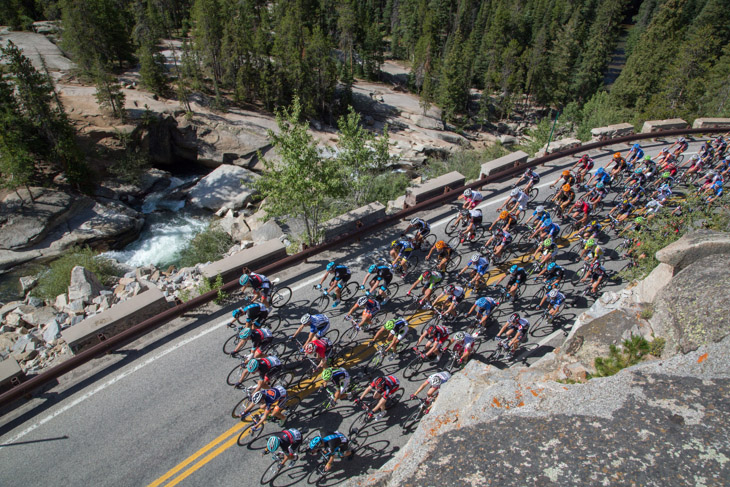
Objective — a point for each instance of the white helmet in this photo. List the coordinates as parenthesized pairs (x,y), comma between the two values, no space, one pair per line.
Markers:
(515,192)
(305,319)
(434,380)
(553,294)
(467,192)
(475,257)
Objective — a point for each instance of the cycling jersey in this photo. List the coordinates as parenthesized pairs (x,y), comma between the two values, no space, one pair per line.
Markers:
(481,266)
(335,442)
(319,324)
(557,300)
(522,199)
(475,197)
(438,333)
(485,305)
(371,305)
(541,217)
(531,174)
(476,216)
(321,346)
(456,294)
(466,344)
(423,227)
(256,312)
(586,163)
(399,327)
(597,271)
(258,281)
(274,395)
(341,378)
(557,272)
(384,273)
(583,207)
(519,276)
(388,387)
(505,237)
(552,230)
(520,325)
(289,440)
(268,365)
(341,272)
(261,336)
(625,208)
(443,376)
(432,280)
(569,196)
(404,246)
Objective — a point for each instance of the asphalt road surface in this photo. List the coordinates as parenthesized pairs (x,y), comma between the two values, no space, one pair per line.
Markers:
(159,412)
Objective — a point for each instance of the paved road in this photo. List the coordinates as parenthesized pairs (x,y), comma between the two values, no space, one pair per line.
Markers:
(158,412)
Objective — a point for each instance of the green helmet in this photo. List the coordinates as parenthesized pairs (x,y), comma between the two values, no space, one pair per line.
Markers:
(547,242)
(666,174)
(591,242)
(639,219)
(389,325)
(647,157)
(327,374)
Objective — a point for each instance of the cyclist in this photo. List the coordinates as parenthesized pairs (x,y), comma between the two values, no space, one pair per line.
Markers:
(502,239)
(382,388)
(553,274)
(652,208)
(550,231)
(566,177)
(601,176)
(272,400)
(333,444)
(484,308)
(382,275)
(433,382)
(532,179)
(443,254)
(720,145)
(619,165)
(475,220)
(289,441)
(595,251)
(540,215)
(318,326)
(596,194)
(479,266)
(437,336)
(340,378)
(471,199)
(635,154)
(260,285)
(422,230)
(664,158)
(591,230)
(256,314)
(681,144)
(634,193)
(597,273)
(340,275)
(430,280)
(622,210)
(555,300)
(260,338)
(547,248)
(320,348)
(506,220)
(519,202)
(716,192)
(453,295)
(267,368)
(584,166)
(370,307)
(517,275)
(400,250)
(583,210)
(695,165)
(565,198)
(515,328)
(397,329)
(463,345)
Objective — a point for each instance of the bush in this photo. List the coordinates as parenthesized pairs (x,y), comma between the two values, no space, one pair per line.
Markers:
(388,187)
(468,162)
(56,278)
(209,245)
(632,351)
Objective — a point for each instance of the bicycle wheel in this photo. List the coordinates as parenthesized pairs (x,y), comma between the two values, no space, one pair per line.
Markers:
(281,296)
(248,434)
(375,361)
(349,291)
(534,191)
(537,297)
(452,227)
(414,367)
(577,276)
(230,345)
(291,405)
(322,407)
(240,407)
(413,262)
(679,159)
(428,242)
(454,242)
(319,304)
(413,419)
(284,379)
(540,322)
(349,335)
(391,291)
(272,472)
(452,364)
(273,323)
(454,262)
(235,374)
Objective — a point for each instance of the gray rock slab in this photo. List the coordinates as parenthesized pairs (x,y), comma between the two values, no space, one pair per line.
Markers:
(692,247)
(227,186)
(595,337)
(84,285)
(37,46)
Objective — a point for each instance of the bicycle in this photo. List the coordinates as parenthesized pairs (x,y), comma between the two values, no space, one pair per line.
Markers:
(474,329)
(325,457)
(459,221)
(321,302)
(291,404)
(367,414)
(416,363)
(424,245)
(546,318)
(277,465)
(422,409)
(232,342)
(462,237)
(379,356)
(454,362)
(354,329)
(329,402)
(280,295)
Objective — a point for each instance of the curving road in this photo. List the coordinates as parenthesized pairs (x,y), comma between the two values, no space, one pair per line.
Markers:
(159,412)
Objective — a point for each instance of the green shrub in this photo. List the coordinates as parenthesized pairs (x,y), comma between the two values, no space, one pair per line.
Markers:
(467,162)
(207,286)
(656,346)
(388,187)
(647,312)
(56,278)
(632,351)
(209,245)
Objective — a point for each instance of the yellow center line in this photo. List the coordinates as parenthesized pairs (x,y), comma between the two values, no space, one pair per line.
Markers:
(232,441)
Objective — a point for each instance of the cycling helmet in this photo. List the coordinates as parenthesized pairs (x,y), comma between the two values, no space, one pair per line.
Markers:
(553,294)
(362,300)
(273,444)
(467,193)
(551,266)
(695,157)
(566,173)
(638,170)
(243,280)
(246,333)
(617,155)
(414,221)
(459,336)
(252,365)
(639,219)
(514,192)
(636,146)
(600,185)
(305,319)
(389,325)
(548,222)
(434,380)
(514,317)
(450,288)
(682,139)
(440,244)
(591,242)
(566,187)
(309,348)
(475,257)
(379,382)
(539,209)
(547,242)
(327,374)
(257,397)
(426,274)
(371,269)
(666,174)
(503,215)
(647,157)
(513,269)
(314,442)
(481,302)
(330,266)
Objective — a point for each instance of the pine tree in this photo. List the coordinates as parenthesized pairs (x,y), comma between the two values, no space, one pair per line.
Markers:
(109,92)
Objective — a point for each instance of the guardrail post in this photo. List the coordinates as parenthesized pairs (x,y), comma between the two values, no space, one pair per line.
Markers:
(358,226)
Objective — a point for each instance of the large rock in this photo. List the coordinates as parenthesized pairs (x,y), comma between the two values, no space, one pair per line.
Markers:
(84,285)
(226,187)
(694,246)
(692,310)
(40,315)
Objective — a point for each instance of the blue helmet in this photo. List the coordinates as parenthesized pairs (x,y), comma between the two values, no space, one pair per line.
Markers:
(551,266)
(243,280)
(371,269)
(246,333)
(237,312)
(513,269)
(273,444)
(636,146)
(481,302)
(330,266)
(314,442)
(252,365)
(599,185)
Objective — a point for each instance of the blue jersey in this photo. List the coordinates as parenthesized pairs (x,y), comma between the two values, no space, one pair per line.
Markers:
(553,230)
(557,300)
(274,395)
(485,305)
(541,217)
(319,321)
(481,266)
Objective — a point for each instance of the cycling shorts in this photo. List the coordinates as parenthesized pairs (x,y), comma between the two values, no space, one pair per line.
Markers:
(321,329)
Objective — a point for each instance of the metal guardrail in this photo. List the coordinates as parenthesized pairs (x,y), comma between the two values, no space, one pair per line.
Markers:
(123,338)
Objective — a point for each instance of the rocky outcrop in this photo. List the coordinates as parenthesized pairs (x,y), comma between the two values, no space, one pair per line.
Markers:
(226,187)
(84,285)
